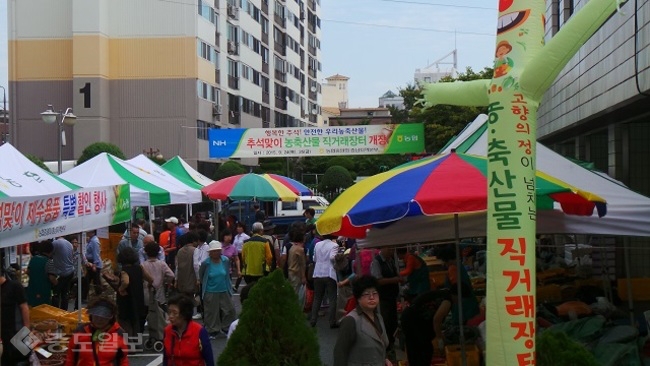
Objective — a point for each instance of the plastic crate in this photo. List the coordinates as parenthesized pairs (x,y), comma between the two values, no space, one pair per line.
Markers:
(549,293)
(437,279)
(74,316)
(45,312)
(639,288)
(454,356)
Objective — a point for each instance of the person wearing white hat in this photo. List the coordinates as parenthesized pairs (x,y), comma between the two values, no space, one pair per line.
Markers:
(169,241)
(214,275)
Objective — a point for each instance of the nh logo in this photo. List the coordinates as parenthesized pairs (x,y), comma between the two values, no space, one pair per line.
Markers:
(219,143)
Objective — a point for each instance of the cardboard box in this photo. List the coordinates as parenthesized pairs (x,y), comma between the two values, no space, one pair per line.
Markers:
(454,356)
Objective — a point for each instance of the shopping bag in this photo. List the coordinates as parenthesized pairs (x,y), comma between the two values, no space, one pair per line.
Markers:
(309,299)
(301,295)
(350,305)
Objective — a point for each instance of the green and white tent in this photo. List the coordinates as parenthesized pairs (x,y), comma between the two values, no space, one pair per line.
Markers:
(37,205)
(20,177)
(144,163)
(147,188)
(184,172)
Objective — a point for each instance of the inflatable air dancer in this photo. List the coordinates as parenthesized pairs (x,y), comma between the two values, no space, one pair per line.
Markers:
(524,69)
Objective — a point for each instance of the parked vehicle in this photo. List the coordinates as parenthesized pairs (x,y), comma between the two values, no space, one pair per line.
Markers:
(280,213)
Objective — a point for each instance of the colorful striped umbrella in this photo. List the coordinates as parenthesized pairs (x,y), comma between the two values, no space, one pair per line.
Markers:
(295,186)
(452,183)
(249,187)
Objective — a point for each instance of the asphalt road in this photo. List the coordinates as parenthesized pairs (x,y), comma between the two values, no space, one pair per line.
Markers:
(326,338)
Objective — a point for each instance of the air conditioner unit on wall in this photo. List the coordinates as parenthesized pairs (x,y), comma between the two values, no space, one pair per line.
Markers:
(216,109)
(233,12)
(232,48)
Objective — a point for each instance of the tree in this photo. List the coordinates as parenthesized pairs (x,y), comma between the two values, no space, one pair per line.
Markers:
(335,178)
(368,165)
(344,161)
(441,122)
(97,148)
(228,169)
(273,166)
(272,329)
(38,161)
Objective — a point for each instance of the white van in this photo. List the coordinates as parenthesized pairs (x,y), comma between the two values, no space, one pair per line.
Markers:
(297,208)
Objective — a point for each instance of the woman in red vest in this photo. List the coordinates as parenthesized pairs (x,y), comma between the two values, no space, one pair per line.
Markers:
(101,342)
(186,342)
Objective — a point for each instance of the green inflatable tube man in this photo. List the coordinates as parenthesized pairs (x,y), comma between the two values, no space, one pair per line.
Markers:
(524,68)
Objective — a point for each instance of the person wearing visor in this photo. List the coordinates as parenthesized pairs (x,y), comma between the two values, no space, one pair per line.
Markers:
(101,342)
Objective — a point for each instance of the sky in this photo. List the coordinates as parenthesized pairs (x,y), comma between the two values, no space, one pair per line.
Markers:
(378,44)
(410,34)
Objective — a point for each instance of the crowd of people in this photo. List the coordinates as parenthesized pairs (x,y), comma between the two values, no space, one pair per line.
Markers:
(190,273)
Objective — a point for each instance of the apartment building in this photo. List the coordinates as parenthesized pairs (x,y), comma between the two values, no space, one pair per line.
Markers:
(598,109)
(159,73)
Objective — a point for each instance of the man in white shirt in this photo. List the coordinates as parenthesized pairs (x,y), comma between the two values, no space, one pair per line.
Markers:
(238,242)
(325,278)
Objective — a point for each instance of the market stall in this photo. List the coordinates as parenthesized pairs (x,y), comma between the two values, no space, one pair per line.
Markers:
(147,188)
(183,171)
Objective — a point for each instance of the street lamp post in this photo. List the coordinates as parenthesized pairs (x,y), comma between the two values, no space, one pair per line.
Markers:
(153,153)
(50,116)
(4,115)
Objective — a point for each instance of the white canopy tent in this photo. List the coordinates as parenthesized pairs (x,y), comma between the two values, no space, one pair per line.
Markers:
(20,177)
(147,188)
(147,165)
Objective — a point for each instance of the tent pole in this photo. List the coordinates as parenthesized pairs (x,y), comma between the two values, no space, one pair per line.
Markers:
(459,263)
(79,274)
(630,301)
(152,213)
(215,217)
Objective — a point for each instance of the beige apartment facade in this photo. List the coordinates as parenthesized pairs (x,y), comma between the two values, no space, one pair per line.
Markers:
(157,74)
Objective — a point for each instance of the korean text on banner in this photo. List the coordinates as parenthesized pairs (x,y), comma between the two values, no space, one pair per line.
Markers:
(28,219)
(317,141)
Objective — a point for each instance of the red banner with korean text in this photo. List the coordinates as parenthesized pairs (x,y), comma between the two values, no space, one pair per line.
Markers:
(34,218)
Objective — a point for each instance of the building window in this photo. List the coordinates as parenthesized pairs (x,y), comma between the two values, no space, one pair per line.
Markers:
(233,68)
(265,55)
(207,12)
(265,25)
(202,129)
(233,34)
(279,9)
(206,51)
(207,91)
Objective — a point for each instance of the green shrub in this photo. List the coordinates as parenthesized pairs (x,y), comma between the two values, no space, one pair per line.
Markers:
(38,161)
(228,169)
(97,148)
(557,349)
(272,329)
(335,178)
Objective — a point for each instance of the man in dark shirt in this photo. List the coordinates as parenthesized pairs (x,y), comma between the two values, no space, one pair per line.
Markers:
(15,315)
(260,215)
(63,259)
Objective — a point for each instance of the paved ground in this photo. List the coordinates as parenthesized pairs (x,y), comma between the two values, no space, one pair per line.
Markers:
(326,338)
